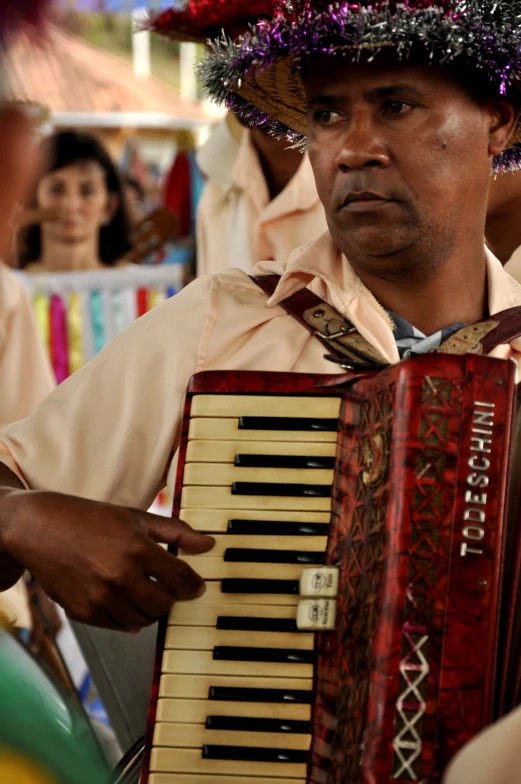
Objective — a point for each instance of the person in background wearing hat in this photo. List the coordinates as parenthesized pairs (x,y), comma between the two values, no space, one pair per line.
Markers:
(503,228)
(260,200)
(401,148)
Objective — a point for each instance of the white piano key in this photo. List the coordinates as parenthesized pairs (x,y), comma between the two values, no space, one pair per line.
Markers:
(198,685)
(212,451)
(197,711)
(214,595)
(195,736)
(204,638)
(305,544)
(216,520)
(228,428)
(202,662)
(222,498)
(191,761)
(224,474)
(195,614)
(215,568)
(265,406)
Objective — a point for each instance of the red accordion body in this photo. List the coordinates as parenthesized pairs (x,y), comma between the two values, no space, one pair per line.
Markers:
(421,656)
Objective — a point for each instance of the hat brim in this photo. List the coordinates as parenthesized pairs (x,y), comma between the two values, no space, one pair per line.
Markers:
(260,79)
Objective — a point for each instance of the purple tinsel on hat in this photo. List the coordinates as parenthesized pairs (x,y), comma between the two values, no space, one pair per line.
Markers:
(482,33)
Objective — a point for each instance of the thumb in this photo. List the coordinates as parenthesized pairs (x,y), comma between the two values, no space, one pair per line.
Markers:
(173,531)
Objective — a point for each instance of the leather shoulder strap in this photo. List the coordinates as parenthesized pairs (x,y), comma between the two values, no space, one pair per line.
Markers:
(347,346)
(337,334)
(484,336)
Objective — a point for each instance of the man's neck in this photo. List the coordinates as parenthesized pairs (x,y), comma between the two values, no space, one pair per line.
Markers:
(451,293)
(60,257)
(503,230)
(279,164)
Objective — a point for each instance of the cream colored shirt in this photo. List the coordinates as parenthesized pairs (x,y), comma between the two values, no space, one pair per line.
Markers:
(110,431)
(25,379)
(237,224)
(513,265)
(493,757)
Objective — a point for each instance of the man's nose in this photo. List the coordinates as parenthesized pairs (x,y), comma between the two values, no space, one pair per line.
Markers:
(363,145)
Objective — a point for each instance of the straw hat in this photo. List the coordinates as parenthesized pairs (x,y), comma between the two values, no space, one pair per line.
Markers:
(198,20)
(259,75)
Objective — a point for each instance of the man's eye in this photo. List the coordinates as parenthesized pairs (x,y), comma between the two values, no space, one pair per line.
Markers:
(397,107)
(327,117)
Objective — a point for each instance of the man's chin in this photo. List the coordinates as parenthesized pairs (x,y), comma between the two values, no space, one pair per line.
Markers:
(376,245)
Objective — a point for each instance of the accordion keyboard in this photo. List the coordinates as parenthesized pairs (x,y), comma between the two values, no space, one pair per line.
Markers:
(237,672)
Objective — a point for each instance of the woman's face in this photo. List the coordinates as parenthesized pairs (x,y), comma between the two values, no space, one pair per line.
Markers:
(78,193)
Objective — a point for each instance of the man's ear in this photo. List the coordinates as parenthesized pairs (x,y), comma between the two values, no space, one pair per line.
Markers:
(504,117)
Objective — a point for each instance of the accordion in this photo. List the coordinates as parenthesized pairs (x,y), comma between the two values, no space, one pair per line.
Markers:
(360,622)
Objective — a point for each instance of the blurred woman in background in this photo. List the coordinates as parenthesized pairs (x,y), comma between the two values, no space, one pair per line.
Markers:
(91,228)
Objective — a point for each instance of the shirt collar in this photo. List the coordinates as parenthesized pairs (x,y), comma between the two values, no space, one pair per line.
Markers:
(217,157)
(322,267)
(300,194)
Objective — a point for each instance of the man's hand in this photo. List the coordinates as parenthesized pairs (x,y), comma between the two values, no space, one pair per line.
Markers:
(100,562)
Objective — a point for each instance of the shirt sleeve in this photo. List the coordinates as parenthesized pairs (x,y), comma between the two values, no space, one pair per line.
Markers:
(25,373)
(492,757)
(109,432)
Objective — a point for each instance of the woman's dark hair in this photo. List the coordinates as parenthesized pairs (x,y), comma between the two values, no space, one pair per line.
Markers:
(68,148)
(131,182)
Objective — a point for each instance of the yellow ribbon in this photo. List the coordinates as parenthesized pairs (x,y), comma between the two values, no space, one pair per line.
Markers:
(155,297)
(74,325)
(41,305)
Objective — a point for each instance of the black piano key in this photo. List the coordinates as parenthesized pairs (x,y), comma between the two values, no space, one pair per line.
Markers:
(238,585)
(249,555)
(276,489)
(236,694)
(288,423)
(236,623)
(283,461)
(277,528)
(244,724)
(284,655)
(251,754)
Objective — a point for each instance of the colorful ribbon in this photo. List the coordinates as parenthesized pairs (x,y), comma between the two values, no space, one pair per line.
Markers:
(141,302)
(41,304)
(59,343)
(155,297)
(75,329)
(118,315)
(98,320)
(76,326)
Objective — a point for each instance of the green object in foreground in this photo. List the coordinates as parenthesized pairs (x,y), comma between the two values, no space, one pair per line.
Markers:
(40,725)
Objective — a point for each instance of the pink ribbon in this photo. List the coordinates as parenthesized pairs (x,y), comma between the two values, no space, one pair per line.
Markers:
(59,339)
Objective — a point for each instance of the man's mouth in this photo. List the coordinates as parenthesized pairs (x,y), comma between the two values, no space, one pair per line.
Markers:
(365,201)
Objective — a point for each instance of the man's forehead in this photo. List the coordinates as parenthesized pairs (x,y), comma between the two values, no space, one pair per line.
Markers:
(337,74)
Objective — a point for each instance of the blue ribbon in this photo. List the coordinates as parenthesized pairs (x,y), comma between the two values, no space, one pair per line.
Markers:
(98,320)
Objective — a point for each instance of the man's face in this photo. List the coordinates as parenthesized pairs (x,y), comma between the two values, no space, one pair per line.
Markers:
(401,159)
